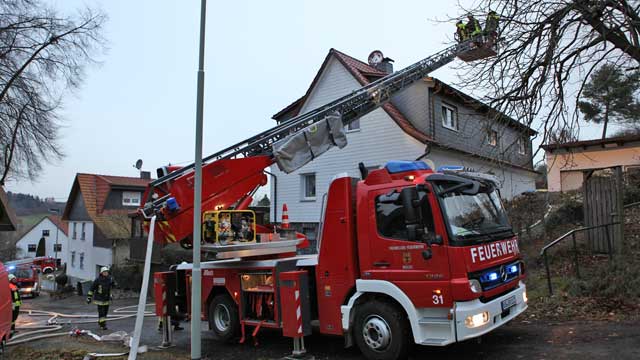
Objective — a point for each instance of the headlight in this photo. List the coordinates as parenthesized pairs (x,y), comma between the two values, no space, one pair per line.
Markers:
(474,285)
(476,320)
(524,296)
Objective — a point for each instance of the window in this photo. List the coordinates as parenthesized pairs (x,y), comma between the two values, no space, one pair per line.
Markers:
(492,137)
(73,259)
(45,232)
(73,236)
(130,198)
(390,218)
(81,260)
(354,125)
(57,247)
(31,248)
(449,117)
(82,232)
(308,186)
(522,146)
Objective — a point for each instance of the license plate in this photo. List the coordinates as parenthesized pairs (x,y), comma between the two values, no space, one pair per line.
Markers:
(508,302)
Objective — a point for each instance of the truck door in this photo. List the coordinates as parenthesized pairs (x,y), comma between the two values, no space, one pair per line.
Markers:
(420,270)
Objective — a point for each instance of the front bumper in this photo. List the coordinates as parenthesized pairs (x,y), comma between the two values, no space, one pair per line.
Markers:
(27,291)
(497,317)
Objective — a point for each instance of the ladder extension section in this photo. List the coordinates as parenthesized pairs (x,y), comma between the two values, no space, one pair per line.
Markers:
(351,107)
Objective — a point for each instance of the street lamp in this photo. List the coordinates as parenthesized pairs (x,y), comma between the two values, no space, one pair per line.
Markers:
(55,247)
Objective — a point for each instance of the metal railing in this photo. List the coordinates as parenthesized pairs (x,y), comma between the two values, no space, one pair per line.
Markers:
(572,234)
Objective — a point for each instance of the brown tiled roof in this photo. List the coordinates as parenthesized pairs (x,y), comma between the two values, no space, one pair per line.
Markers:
(360,70)
(95,190)
(620,140)
(62,225)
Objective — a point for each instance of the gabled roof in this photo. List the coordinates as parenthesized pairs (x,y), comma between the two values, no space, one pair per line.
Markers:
(363,73)
(95,190)
(8,219)
(618,140)
(56,220)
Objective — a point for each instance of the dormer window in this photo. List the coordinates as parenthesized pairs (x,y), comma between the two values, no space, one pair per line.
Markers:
(130,198)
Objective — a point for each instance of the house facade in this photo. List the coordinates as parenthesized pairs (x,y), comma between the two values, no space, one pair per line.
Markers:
(458,130)
(98,223)
(568,162)
(52,231)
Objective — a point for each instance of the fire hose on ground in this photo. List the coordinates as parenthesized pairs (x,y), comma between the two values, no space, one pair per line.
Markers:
(53,323)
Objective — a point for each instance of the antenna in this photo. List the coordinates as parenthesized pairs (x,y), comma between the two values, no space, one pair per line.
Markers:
(138,164)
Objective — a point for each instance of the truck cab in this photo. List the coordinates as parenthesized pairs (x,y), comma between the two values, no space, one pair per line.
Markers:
(28,279)
(435,247)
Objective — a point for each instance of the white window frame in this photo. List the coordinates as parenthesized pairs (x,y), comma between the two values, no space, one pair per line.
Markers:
(82,233)
(454,117)
(491,132)
(354,126)
(303,187)
(522,146)
(30,246)
(131,198)
(74,236)
(58,246)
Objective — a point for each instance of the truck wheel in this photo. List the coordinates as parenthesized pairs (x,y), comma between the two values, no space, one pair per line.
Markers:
(223,318)
(381,331)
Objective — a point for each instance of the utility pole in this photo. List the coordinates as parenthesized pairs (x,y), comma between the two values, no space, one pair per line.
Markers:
(55,247)
(196,275)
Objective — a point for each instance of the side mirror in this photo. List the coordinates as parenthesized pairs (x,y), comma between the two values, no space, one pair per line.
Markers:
(410,203)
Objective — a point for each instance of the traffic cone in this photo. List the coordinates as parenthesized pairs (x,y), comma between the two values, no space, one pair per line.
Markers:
(285,217)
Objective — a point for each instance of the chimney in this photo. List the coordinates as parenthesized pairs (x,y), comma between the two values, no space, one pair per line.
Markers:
(145,175)
(386,65)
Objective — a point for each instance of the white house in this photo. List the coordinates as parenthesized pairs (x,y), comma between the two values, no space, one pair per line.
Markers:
(458,129)
(99,227)
(52,231)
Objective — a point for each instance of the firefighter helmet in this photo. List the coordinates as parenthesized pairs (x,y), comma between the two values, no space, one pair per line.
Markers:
(104,268)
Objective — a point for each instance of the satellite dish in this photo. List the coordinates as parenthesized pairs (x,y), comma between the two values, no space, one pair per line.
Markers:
(138,164)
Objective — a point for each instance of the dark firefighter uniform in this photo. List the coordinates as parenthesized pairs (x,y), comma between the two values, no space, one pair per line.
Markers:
(491,26)
(101,295)
(461,31)
(473,27)
(16,301)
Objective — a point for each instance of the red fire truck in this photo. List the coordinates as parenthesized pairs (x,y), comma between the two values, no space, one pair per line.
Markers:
(5,309)
(405,253)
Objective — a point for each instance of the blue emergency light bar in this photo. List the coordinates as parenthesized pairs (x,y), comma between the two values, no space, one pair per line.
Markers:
(398,166)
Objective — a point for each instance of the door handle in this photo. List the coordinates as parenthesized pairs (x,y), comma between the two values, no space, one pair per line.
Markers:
(381,263)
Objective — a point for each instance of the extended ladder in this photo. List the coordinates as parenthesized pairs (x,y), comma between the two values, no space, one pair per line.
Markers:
(351,107)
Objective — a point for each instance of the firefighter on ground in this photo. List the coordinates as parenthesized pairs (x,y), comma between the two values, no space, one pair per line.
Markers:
(491,26)
(473,27)
(16,301)
(100,293)
(461,31)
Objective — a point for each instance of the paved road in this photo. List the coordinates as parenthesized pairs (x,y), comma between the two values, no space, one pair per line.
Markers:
(519,340)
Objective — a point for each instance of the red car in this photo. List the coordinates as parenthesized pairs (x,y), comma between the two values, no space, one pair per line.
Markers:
(5,308)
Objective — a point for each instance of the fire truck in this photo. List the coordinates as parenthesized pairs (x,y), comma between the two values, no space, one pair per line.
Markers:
(405,254)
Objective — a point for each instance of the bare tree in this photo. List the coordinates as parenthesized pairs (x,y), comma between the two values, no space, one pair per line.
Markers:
(43,55)
(547,51)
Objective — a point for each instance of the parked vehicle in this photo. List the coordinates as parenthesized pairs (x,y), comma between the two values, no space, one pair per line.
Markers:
(28,279)
(46,264)
(406,254)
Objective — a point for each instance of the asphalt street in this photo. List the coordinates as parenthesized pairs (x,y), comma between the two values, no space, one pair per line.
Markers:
(518,340)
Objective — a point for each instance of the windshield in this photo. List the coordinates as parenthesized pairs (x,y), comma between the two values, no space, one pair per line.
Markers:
(476,217)
(22,273)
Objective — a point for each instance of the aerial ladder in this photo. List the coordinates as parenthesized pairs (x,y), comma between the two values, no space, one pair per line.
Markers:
(232,176)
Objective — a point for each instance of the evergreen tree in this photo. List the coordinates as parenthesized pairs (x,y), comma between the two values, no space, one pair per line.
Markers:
(610,96)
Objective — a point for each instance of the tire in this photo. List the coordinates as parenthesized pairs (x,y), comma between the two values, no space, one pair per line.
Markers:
(382,331)
(223,318)
(47,270)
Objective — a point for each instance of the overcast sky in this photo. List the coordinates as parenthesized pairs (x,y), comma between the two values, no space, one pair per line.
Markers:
(260,56)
